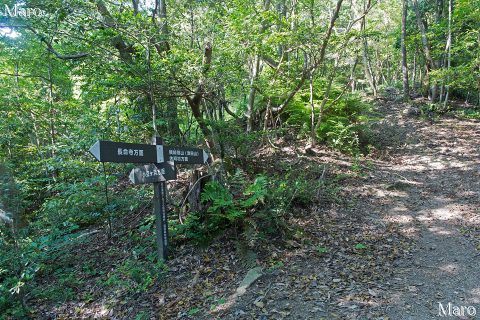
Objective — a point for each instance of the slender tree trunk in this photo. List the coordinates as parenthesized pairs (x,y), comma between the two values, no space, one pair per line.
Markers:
(325,99)
(151,95)
(366,60)
(51,111)
(135,6)
(195,100)
(251,95)
(426,48)
(312,112)
(448,49)
(306,71)
(164,47)
(255,70)
(421,73)
(161,14)
(414,72)
(406,91)
(282,14)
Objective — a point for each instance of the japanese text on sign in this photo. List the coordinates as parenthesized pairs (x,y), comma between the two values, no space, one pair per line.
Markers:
(130,152)
(154,173)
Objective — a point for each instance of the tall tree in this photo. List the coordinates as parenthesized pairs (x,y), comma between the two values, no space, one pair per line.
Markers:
(406,91)
(448,50)
(426,49)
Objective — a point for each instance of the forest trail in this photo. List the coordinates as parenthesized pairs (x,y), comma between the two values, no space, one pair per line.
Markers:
(428,189)
(388,238)
(436,200)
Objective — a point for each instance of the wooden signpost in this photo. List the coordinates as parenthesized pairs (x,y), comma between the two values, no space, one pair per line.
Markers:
(160,167)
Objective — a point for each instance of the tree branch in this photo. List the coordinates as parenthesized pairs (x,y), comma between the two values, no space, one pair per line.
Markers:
(49,45)
(306,71)
(23,75)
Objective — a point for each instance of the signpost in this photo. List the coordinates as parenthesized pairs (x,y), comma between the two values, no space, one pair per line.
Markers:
(160,168)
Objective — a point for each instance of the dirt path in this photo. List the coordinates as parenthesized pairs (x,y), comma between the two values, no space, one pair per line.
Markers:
(437,201)
(428,190)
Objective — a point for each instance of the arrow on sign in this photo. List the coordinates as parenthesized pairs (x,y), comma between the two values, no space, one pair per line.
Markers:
(109,151)
(152,173)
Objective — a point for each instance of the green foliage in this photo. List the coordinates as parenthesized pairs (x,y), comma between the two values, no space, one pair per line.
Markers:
(341,124)
(360,246)
(468,113)
(224,207)
(52,110)
(135,275)
(321,249)
(193,311)
(258,208)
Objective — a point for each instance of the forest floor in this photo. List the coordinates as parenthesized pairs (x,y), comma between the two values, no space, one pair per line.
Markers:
(389,237)
(420,198)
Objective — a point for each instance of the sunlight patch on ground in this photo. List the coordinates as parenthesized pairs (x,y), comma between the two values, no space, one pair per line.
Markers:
(475,295)
(440,231)
(445,213)
(81,310)
(451,268)
(401,218)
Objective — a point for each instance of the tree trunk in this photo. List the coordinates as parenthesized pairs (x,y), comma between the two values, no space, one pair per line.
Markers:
(195,101)
(306,71)
(426,49)
(135,6)
(406,93)
(366,60)
(312,112)
(255,70)
(163,47)
(448,48)
(414,72)
(251,95)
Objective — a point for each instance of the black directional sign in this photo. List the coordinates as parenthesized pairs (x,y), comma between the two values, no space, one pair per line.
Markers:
(185,155)
(151,173)
(162,161)
(109,151)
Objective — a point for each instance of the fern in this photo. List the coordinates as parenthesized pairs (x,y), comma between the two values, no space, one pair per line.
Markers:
(256,192)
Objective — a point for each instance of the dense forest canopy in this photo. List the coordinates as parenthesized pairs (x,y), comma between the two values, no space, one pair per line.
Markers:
(224,75)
